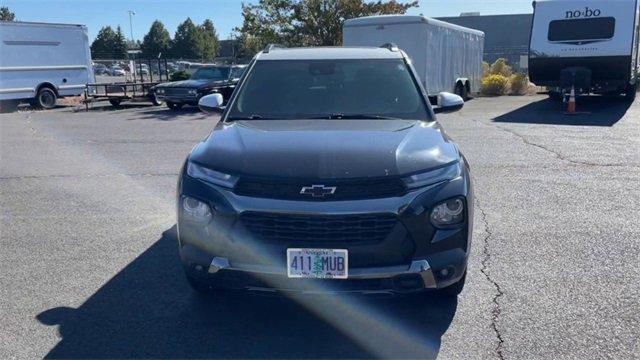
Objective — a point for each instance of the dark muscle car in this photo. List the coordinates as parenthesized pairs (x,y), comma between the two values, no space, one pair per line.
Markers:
(204,81)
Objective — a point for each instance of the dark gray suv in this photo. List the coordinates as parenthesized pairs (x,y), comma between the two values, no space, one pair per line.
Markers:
(327,173)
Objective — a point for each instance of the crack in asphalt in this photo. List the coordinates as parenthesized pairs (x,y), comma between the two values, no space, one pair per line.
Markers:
(557,154)
(495,312)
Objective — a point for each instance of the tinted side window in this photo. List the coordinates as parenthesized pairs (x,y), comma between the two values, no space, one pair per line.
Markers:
(582,29)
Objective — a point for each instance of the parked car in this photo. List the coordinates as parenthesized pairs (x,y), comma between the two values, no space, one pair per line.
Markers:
(116,70)
(41,62)
(206,80)
(99,69)
(327,172)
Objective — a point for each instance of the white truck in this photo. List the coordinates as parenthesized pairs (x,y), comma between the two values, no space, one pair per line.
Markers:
(591,46)
(447,57)
(41,62)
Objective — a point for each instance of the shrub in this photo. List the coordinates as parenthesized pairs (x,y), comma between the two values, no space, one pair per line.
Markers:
(519,84)
(494,85)
(486,69)
(180,75)
(500,67)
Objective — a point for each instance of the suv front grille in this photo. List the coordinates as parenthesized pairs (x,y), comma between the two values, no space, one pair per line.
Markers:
(285,189)
(322,229)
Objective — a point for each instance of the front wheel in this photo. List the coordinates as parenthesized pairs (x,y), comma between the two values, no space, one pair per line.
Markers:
(115,102)
(155,100)
(45,99)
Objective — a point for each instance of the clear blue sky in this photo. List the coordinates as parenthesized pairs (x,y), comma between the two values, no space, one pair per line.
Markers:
(225,14)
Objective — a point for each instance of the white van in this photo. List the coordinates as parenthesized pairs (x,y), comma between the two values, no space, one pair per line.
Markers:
(447,57)
(588,45)
(41,62)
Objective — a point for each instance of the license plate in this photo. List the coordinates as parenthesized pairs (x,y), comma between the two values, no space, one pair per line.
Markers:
(318,263)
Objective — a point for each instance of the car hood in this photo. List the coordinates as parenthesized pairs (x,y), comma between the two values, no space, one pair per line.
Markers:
(193,83)
(325,149)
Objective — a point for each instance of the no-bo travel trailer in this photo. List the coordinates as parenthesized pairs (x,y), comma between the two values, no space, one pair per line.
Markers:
(591,46)
(41,62)
(447,57)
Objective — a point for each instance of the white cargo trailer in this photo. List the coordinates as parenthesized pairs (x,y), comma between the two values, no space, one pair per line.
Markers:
(447,57)
(41,62)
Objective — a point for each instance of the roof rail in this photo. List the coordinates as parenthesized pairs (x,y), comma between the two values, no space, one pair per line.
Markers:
(272,47)
(390,46)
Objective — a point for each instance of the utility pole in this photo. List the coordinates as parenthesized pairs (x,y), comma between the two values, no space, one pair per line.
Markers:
(131,13)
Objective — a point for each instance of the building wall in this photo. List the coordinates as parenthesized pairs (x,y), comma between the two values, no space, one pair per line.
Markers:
(506,36)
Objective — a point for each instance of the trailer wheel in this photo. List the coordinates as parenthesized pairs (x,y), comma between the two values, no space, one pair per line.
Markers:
(115,102)
(45,99)
(461,91)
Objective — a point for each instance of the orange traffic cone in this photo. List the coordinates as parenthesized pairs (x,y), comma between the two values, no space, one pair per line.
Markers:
(571,108)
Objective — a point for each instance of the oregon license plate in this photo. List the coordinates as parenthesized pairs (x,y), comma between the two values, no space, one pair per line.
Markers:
(318,263)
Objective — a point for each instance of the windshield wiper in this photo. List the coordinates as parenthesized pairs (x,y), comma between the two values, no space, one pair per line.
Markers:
(355,117)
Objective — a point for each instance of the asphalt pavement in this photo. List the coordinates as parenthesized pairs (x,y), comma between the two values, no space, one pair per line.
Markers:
(89,265)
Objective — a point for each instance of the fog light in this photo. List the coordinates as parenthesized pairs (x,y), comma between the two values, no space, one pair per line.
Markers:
(196,210)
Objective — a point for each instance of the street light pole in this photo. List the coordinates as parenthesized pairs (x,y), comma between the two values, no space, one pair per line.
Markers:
(131,13)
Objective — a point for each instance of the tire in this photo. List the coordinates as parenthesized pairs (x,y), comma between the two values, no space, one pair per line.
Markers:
(631,92)
(154,99)
(45,99)
(8,106)
(174,106)
(555,96)
(454,289)
(115,102)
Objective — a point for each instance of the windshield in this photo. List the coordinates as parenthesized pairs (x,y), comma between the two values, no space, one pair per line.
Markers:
(237,72)
(211,73)
(299,89)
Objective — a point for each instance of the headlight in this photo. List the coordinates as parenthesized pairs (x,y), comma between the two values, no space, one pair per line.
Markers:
(196,210)
(193,91)
(442,174)
(448,213)
(212,176)
(159,91)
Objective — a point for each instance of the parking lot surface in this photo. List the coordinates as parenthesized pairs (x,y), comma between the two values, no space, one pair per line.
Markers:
(89,264)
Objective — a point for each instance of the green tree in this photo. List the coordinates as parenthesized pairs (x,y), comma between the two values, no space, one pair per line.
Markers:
(208,43)
(156,41)
(6,14)
(186,41)
(306,22)
(109,44)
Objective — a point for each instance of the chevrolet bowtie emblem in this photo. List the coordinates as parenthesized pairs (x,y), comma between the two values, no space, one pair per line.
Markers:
(318,191)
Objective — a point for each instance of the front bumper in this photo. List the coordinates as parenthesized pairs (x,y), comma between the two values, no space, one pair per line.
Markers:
(415,256)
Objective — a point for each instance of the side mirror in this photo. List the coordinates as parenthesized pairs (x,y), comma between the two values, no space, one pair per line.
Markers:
(448,102)
(211,103)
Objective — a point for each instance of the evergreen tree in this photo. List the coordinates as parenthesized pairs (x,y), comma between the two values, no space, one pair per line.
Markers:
(186,41)
(6,14)
(208,45)
(156,41)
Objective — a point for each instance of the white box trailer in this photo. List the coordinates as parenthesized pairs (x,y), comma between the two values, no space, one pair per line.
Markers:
(591,46)
(447,57)
(40,62)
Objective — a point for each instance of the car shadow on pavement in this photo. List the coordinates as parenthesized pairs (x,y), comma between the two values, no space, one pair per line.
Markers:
(165,114)
(147,310)
(591,111)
